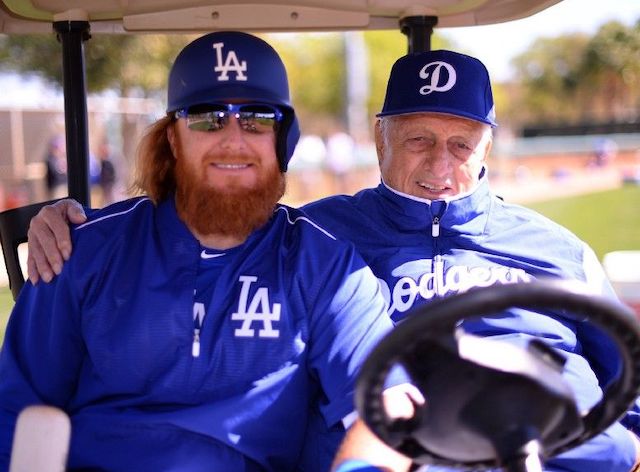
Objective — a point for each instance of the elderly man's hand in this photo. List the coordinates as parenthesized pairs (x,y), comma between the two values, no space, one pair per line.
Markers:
(50,239)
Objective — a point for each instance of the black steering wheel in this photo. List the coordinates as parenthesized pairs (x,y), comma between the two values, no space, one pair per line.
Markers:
(490,403)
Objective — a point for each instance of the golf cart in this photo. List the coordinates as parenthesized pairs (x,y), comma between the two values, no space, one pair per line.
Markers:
(480,441)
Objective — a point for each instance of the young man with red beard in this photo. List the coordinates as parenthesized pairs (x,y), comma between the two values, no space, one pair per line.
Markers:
(201,326)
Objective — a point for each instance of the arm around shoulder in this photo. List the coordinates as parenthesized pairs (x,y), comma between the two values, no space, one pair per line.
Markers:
(49,238)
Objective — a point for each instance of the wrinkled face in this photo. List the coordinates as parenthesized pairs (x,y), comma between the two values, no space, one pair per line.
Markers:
(431,155)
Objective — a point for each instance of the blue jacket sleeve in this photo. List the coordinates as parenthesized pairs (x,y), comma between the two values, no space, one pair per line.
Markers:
(41,355)
(349,318)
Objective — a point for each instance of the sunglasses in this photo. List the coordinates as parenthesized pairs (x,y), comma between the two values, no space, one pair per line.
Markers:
(252,117)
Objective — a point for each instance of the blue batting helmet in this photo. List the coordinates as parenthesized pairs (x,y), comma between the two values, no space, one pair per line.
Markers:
(228,65)
(440,82)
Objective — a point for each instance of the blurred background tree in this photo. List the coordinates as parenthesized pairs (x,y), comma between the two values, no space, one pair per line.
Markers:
(131,66)
(548,80)
(611,66)
(577,78)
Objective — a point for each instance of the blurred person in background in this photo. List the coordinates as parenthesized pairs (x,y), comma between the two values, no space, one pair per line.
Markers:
(56,168)
(107,176)
(340,159)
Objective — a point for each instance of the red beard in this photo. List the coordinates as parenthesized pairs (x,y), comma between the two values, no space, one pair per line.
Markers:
(234,212)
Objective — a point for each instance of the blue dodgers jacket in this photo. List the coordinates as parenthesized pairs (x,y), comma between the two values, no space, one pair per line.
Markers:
(421,250)
(169,356)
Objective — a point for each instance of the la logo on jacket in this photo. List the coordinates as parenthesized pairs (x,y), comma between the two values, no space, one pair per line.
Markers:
(259,309)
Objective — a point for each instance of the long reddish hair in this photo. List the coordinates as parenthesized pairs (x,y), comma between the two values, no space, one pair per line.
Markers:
(155,164)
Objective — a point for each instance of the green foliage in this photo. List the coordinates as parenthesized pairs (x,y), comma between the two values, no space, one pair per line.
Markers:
(385,47)
(147,63)
(612,65)
(121,62)
(40,54)
(575,77)
(315,66)
(607,221)
(547,71)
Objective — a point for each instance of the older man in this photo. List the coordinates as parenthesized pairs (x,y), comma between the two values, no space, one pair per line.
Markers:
(202,326)
(433,228)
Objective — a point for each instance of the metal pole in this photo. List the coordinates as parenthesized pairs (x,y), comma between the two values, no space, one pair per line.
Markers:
(418,30)
(72,34)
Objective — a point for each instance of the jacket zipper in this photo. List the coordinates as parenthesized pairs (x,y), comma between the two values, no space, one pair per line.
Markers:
(198,315)
(438,263)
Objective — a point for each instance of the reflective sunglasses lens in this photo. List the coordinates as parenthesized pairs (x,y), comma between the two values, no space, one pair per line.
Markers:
(254,118)
(205,122)
(258,118)
(206,117)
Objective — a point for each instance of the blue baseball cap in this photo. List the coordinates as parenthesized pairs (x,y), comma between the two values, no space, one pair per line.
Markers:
(232,65)
(440,82)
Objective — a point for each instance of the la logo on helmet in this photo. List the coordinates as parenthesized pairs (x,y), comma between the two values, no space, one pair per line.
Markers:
(435,70)
(229,64)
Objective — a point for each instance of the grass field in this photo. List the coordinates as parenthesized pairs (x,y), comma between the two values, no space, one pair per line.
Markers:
(608,221)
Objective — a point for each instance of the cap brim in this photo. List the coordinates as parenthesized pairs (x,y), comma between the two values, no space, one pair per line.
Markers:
(443,110)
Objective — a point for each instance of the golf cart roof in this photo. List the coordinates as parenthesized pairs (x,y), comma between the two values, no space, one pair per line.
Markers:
(115,16)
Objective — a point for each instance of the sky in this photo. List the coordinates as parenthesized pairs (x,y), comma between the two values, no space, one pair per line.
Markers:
(496,44)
